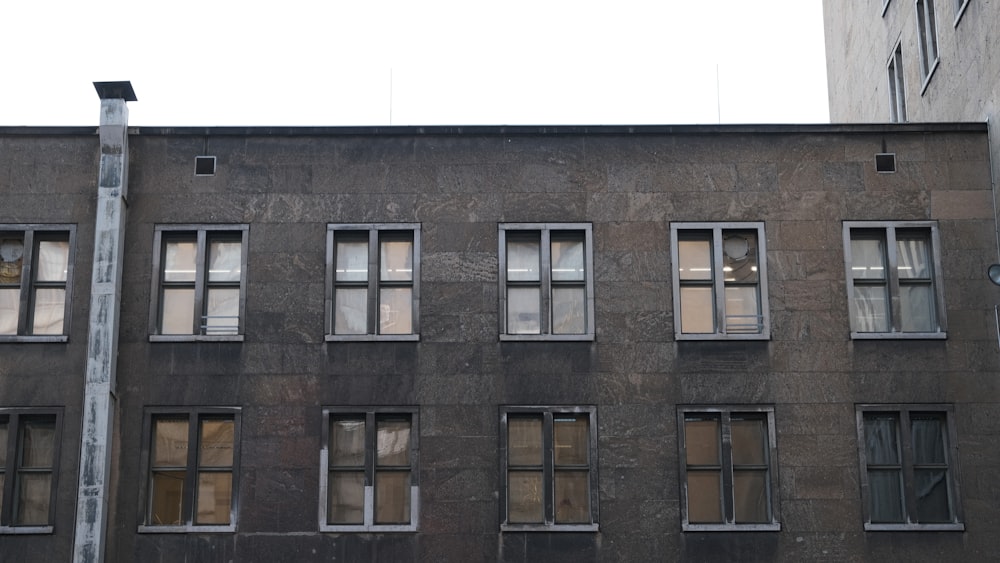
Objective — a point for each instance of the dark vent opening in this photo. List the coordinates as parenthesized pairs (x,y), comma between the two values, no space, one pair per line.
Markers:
(204,166)
(885,162)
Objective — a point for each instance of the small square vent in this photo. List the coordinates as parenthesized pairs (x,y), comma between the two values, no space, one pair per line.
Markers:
(204,166)
(885,162)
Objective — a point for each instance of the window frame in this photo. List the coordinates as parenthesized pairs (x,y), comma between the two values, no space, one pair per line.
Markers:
(897,85)
(889,229)
(195,415)
(548,469)
(725,413)
(201,234)
(375,233)
(960,7)
(31,234)
(903,412)
(370,414)
(717,283)
(13,417)
(545,283)
(927,43)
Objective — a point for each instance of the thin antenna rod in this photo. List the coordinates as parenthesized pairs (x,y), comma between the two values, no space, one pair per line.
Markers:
(718,96)
(390,95)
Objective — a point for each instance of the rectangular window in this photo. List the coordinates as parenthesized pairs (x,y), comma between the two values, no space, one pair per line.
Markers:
(926,40)
(36,265)
(192,470)
(893,282)
(728,481)
(546,281)
(908,467)
(897,93)
(29,443)
(199,282)
(549,464)
(720,281)
(369,470)
(373,282)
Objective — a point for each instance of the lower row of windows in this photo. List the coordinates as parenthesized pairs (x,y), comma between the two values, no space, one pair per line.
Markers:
(370,481)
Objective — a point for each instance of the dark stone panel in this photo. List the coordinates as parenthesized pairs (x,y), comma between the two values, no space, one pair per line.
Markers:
(730,546)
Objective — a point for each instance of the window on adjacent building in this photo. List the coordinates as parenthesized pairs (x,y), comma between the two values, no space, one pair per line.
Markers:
(926,40)
(549,467)
(373,282)
(720,281)
(728,478)
(908,460)
(29,444)
(893,279)
(192,470)
(36,264)
(199,282)
(546,281)
(897,93)
(369,470)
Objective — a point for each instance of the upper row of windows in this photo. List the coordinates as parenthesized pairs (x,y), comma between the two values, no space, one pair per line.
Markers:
(545,275)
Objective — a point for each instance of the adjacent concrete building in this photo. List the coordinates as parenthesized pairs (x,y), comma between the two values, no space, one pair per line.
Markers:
(656,343)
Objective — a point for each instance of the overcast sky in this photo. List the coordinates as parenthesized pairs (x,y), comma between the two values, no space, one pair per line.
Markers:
(416,62)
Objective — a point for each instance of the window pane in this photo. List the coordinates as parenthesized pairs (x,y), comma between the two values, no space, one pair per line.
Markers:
(351,311)
(215,494)
(750,496)
(885,490)
(32,501)
(10,306)
(567,260)
(222,311)
(166,498)
(881,444)
(568,306)
(870,309)
(393,442)
(739,257)
(927,435)
(749,437)
(916,303)
(347,497)
(396,260)
(37,443)
(52,261)
(170,445)
(50,307)
(868,259)
(11,260)
(347,443)
(523,306)
(178,311)
(701,440)
(392,497)
(931,487)
(395,310)
(225,261)
(704,491)
(523,260)
(913,258)
(352,261)
(742,310)
(572,490)
(3,447)
(571,439)
(524,440)
(216,447)
(694,259)
(524,496)
(179,261)
(697,310)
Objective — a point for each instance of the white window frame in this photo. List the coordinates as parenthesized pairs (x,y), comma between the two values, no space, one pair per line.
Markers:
(927,41)
(897,87)
(31,235)
(960,6)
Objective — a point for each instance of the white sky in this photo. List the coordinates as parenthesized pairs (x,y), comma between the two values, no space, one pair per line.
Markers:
(416,62)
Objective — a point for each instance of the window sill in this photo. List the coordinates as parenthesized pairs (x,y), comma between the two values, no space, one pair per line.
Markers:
(195,338)
(899,335)
(952,527)
(773,527)
(721,336)
(961,12)
(145,529)
(549,527)
(546,337)
(375,529)
(31,338)
(372,338)
(927,81)
(17,530)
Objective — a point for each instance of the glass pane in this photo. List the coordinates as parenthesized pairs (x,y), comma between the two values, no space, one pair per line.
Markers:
(10,306)
(567,260)
(179,261)
(694,260)
(396,260)
(11,260)
(32,501)
(524,440)
(932,495)
(2,476)
(749,437)
(351,311)
(886,495)
(571,439)
(170,445)
(523,310)
(750,496)
(53,260)
(742,311)
(215,494)
(704,491)
(913,258)
(395,310)
(38,442)
(347,497)
(927,436)
(870,309)
(166,498)
(881,444)
(739,257)
(868,259)
(916,303)
(352,261)
(701,440)
(523,260)
(178,311)
(697,310)
(393,442)
(572,497)
(347,442)
(216,447)
(392,497)
(3,446)
(524,496)
(225,261)
(568,310)
(222,311)
(50,307)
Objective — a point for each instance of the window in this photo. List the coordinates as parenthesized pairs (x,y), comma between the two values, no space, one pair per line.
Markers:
(897,93)
(29,441)
(893,282)
(960,6)
(885,6)
(926,40)
(549,467)
(368,470)
(908,467)
(199,286)
(546,281)
(36,265)
(728,480)
(720,281)
(192,470)
(373,282)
